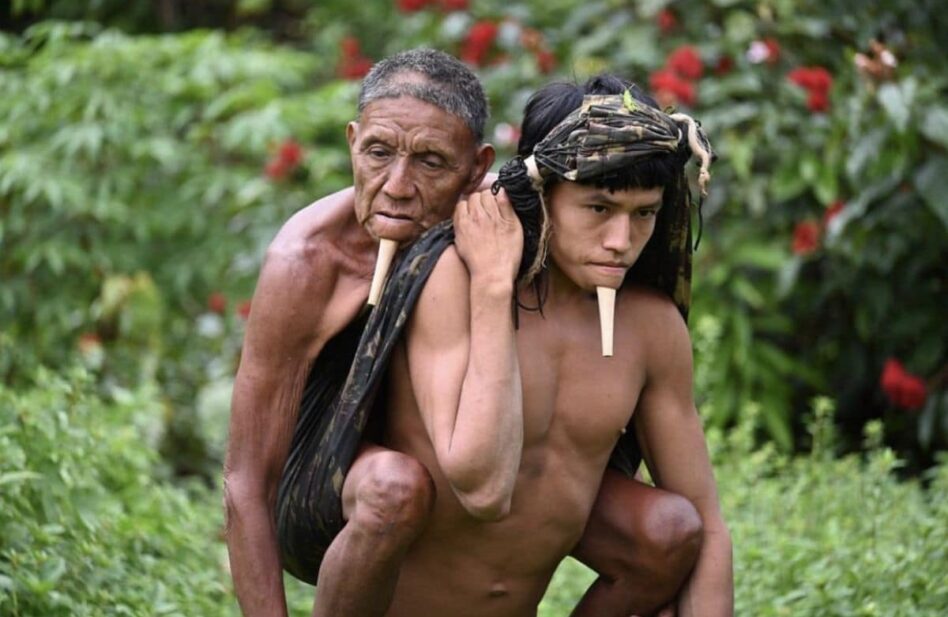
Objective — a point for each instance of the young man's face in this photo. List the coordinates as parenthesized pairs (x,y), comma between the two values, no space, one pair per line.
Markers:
(411,161)
(596,234)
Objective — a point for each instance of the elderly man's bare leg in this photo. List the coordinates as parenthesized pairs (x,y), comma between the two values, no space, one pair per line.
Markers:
(643,542)
(387,501)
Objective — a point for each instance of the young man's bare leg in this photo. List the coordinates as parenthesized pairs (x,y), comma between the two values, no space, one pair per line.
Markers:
(387,501)
(643,542)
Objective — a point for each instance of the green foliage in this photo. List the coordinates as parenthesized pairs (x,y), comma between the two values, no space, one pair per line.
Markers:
(132,186)
(87,527)
(90,525)
(817,535)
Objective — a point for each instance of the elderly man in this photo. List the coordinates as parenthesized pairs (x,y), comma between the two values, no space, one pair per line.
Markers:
(416,149)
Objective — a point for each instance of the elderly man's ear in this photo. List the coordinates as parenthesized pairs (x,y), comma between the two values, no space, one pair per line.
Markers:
(482,162)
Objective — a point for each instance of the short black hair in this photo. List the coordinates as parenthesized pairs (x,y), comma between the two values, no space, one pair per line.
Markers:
(446,83)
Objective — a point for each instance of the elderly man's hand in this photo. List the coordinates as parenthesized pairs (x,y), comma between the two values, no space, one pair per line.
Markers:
(488,237)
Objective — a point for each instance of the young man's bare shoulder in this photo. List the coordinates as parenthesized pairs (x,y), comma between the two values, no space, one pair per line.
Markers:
(651,312)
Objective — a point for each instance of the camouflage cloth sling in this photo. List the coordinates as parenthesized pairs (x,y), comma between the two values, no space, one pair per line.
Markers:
(335,408)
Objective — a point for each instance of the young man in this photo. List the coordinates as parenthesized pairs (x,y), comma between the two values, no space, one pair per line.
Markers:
(416,148)
(516,426)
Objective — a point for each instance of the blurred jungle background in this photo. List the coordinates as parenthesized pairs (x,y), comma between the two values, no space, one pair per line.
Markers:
(150,149)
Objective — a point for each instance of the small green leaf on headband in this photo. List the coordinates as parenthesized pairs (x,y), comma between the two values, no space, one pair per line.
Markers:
(628,101)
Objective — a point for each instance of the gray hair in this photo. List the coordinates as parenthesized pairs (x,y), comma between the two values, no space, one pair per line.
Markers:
(444,82)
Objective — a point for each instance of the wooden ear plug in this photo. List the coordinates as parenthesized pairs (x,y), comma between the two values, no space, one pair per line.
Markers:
(387,250)
(607,312)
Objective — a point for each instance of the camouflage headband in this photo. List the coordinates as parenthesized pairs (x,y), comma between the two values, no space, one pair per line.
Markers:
(605,135)
(608,133)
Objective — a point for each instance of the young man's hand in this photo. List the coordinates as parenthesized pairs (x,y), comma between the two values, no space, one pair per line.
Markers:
(488,237)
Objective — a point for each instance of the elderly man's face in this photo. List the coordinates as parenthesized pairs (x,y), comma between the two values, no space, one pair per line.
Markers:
(411,161)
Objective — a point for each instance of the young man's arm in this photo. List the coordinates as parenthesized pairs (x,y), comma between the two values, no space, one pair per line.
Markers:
(673,442)
(463,361)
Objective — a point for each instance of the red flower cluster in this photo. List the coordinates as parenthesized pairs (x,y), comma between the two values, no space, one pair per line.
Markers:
(217,303)
(674,83)
(904,389)
(667,20)
(352,64)
(670,89)
(478,42)
(686,62)
(806,237)
(817,81)
(413,6)
(287,158)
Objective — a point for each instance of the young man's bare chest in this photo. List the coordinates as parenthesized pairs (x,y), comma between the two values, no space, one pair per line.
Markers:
(574,397)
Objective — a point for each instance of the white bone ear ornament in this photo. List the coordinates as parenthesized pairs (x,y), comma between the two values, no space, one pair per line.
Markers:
(387,250)
(607,313)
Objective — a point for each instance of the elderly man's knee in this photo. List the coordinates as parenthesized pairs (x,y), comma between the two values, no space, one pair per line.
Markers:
(674,531)
(395,496)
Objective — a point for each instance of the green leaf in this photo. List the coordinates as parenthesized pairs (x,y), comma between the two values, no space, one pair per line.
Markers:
(12,477)
(897,102)
(935,125)
(932,184)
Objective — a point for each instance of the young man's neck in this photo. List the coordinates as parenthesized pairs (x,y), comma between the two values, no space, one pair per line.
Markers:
(557,289)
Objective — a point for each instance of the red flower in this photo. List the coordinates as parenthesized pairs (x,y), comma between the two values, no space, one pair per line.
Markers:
(217,303)
(773,50)
(686,62)
(354,68)
(243,309)
(546,61)
(288,157)
(814,78)
(902,388)
(817,81)
(290,153)
(817,102)
(411,6)
(671,89)
(833,211)
(806,237)
(478,41)
(352,64)
(667,20)
(453,5)
(724,65)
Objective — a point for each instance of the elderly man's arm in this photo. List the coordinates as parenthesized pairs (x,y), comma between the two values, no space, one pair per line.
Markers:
(293,313)
(673,442)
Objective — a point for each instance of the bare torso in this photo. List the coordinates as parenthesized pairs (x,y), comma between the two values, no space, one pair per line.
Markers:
(575,405)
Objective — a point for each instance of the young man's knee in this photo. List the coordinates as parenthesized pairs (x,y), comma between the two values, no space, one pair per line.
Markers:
(396,495)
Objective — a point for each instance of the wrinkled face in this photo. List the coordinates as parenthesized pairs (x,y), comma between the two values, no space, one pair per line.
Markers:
(411,161)
(596,234)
